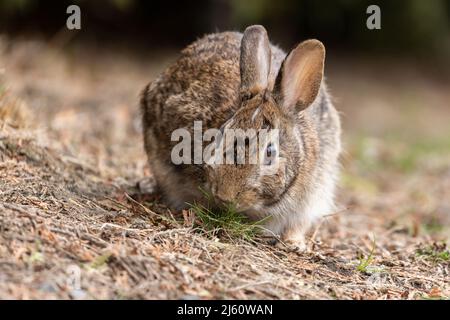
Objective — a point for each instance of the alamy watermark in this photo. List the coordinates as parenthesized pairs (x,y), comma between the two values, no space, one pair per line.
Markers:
(373,22)
(73,280)
(227,146)
(73,22)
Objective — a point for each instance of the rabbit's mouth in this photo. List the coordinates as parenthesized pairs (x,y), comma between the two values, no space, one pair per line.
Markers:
(243,208)
(254,213)
(234,204)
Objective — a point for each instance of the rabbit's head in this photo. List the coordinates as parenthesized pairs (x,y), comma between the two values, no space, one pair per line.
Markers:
(270,140)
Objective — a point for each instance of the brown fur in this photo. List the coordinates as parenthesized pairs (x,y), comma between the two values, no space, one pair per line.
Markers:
(227,84)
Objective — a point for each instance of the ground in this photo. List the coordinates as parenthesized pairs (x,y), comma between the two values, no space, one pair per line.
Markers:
(78,219)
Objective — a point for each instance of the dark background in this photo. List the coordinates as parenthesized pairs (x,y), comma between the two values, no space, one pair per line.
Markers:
(413,28)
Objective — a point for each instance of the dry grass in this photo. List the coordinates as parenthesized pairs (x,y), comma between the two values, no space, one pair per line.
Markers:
(13,111)
(73,196)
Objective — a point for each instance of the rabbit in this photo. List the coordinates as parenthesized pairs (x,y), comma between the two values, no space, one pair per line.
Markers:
(231,80)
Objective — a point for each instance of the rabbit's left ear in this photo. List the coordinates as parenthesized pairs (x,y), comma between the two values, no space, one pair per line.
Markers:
(254,61)
(298,81)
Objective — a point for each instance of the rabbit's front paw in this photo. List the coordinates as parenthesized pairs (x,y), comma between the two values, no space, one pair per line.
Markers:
(293,246)
(294,240)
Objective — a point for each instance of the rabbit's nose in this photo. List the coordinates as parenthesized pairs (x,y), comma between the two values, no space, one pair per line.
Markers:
(222,198)
(229,197)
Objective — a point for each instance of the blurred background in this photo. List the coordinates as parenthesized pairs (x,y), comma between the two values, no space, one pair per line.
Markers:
(392,86)
(409,27)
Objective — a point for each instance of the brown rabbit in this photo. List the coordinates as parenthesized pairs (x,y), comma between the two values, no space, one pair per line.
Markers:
(240,81)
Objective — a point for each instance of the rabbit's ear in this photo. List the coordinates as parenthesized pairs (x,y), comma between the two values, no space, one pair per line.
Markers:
(298,81)
(255,60)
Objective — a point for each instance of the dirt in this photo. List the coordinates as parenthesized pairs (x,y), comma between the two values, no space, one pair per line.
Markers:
(79,220)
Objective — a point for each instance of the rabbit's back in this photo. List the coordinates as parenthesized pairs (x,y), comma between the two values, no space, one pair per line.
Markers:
(328,126)
(202,85)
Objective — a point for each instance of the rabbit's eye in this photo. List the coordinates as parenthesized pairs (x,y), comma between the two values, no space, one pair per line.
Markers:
(271,153)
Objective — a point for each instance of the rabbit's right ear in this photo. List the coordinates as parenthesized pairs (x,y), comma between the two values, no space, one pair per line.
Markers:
(255,60)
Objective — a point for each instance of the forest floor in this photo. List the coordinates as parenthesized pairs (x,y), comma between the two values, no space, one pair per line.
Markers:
(78,219)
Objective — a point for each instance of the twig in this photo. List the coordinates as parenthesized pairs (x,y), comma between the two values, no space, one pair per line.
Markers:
(123,228)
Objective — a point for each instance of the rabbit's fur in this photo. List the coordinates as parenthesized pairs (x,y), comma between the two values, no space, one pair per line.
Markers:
(233,80)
